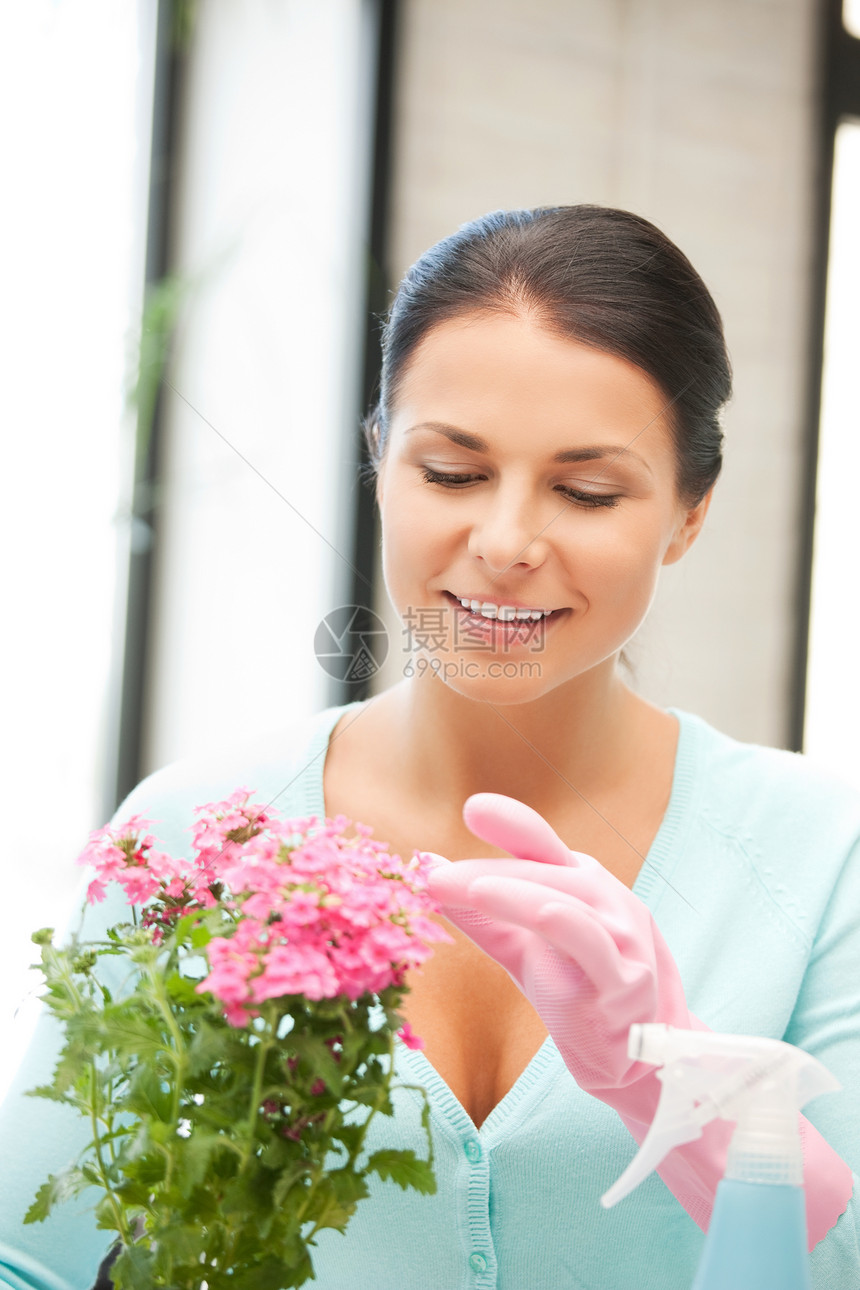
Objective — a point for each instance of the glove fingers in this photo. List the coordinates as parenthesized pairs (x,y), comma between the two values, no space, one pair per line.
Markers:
(504,822)
(562,921)
(506,944)
(449,883)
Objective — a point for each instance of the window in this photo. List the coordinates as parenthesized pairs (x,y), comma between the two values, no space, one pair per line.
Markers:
(833,683)
(259,428)
(79,73)
(831,702)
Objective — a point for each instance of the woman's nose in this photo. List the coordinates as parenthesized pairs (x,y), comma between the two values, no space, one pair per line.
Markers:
(508,532)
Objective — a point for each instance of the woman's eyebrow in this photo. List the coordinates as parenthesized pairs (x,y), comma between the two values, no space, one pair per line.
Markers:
(473,442)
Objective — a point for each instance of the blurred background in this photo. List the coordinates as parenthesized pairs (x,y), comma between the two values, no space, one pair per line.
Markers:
(207,207)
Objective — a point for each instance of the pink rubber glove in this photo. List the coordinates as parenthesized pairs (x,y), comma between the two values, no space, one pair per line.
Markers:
(588,955)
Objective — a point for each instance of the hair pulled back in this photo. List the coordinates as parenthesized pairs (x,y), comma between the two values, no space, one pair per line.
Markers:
(604,277)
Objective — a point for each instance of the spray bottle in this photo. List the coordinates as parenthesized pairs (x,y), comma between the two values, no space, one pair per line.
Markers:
(757,1235)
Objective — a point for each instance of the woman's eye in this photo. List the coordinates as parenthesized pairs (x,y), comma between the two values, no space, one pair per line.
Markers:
(575,495)
(579,498)
(449,481)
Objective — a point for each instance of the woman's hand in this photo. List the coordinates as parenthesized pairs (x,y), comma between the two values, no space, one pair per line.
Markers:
(589,956)
(584,950)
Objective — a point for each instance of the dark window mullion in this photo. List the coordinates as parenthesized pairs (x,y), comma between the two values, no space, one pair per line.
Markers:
(838,96)
(144,526)
(377,286)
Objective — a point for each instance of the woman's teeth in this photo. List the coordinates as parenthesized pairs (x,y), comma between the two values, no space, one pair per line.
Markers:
(506,613)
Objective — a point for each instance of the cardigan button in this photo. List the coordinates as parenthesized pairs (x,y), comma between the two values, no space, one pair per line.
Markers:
(472,1149)
(477,1263)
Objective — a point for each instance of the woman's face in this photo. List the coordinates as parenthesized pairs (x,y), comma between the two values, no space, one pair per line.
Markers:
(525,472)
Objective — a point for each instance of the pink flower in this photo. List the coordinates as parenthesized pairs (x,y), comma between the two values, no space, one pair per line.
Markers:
(408,1036)
(307,910)
(236,1014)
(96,891)
(139,885)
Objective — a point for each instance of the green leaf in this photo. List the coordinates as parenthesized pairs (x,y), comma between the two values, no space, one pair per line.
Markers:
(47,1091)
(297,1176)
(313,1050)
(351,1135)
(203,1205)
(181,1242)
(133,1269)
(278,1152)
(370,1097)
(148,1169)
(274,1274)
(207,1047)
(336,1216)
(133,1194)
(91,1174)
(404,1168)
(148,1095)
(249,1194)
(196,1153)
(105,1215)
(185,926)
(58,1188)
(200,937)
(347,1185)
(43,1204)
(182,989)
(122,1028)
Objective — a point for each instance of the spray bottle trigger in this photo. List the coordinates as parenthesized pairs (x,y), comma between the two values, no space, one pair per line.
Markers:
(672,1126)
(707,1076)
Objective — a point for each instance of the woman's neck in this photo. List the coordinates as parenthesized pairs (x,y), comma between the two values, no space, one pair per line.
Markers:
(580,739)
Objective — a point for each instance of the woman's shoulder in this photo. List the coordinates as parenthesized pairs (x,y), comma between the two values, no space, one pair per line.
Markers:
(281,766)
(756,791)
(769,834)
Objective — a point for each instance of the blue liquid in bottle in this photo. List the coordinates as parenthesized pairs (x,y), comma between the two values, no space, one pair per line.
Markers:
(756,1239)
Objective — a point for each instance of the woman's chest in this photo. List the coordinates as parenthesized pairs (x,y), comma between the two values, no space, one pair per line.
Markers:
(478,1030)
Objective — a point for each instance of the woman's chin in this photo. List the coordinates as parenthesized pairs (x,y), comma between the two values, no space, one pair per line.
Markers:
(502,684)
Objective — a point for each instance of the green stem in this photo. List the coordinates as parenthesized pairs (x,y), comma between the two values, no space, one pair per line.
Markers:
(263,1049)
(59,963)
(178,1056)
(119,1216)
(359,1147)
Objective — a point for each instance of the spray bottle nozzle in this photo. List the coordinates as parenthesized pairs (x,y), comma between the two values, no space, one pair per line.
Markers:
(760,1083)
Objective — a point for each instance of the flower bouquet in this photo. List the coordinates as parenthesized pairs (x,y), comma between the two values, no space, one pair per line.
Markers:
(230,1044)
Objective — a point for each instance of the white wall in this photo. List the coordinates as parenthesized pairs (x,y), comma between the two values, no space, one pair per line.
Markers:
(271,228)
(260,430)
(76,85)
(698,115)
(833,695)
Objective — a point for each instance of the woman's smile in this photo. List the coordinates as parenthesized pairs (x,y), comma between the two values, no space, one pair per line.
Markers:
(507,625)
(529,487)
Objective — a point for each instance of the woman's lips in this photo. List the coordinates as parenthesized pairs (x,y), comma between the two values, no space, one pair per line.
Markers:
(517,631)
(507,604)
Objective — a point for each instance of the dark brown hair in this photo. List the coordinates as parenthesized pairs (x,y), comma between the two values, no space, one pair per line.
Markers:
(604,277)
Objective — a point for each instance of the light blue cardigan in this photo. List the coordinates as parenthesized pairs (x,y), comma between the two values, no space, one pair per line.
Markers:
(754,879)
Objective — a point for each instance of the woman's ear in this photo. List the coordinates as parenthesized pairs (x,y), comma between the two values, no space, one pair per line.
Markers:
(689,526)
(380,459)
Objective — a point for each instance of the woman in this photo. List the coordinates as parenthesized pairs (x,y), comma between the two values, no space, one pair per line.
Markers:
(548,438)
